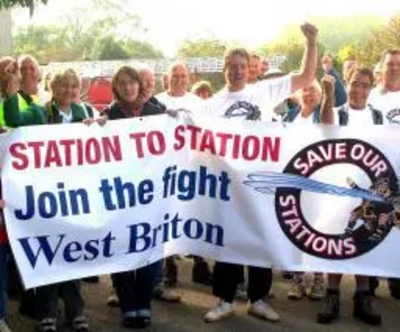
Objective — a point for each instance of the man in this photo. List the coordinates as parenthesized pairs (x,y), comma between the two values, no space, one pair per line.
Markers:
(250,102)
(355,112)
(386,98)
(177,95)
(264,67)
(255,68)
(30,78)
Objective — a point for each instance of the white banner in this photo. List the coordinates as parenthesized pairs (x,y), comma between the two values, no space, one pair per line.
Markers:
(84,201)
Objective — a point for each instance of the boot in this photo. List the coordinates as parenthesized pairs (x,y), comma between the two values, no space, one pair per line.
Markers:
(394,287)
(363,310)
(332,307)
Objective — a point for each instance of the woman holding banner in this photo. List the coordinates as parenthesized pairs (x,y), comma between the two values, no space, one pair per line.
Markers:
(134,288)
(61,110)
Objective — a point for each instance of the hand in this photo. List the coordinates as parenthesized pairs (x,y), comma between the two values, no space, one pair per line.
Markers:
(328,83)
(310,32)
(88,121)
(102,121)
(2,204)
(326,63)
(12,83)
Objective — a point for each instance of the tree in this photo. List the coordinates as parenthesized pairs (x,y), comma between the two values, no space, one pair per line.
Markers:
(6,4)
(378,40)
(202,47)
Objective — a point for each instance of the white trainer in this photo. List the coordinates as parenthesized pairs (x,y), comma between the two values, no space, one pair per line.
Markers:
(220,311)
(263,310)
(4,327)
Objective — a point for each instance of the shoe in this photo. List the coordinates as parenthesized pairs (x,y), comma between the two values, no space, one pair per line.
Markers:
(317,289)
(166,295)
(220,311)
(363,310)
(47,325)
(113,300)
(129,322)
(3,326)
(80,324)
(332,307)
(241,292)
(143,322)
(263,310)
(297,289)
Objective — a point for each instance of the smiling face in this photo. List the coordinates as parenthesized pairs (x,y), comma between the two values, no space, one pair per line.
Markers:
(391,68)
(236,71)
(178,80)
(310,96)
(358,89)
(148,82)
(127,87)
(65,88)
(30,75)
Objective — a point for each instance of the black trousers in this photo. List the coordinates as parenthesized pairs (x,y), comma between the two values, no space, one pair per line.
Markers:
(227,276)
(135,288)
(47,300)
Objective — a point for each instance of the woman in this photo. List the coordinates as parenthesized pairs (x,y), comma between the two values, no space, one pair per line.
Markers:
(61,110)
(134,288)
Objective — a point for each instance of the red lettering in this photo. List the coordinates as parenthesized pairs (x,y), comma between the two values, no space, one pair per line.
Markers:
(207,142)
(112,147)
(152,137)
(22,161)
(138,141)
(193,135)
(223,142)
(270,150)
(52,155)
(179,137)
(36,152)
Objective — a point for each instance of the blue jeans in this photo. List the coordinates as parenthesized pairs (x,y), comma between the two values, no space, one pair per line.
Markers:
(3,278)
(134,289)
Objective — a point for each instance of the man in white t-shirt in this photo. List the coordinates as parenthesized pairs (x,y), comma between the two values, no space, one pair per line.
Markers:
(355,113)
(386,96)
(238,100)
(177,96)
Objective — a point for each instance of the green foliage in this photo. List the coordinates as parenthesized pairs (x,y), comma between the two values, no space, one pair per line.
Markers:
(75,40)
(202,47)
(6,4)
(378,40)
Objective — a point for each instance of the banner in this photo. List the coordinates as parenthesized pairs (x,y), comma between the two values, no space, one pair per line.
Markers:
(83,201)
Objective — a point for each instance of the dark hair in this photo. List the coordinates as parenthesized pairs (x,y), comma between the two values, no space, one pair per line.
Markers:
(365,72)
(389,52)
(233,52)
(133,74)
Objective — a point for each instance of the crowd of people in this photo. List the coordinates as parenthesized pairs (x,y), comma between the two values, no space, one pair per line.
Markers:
(355,97)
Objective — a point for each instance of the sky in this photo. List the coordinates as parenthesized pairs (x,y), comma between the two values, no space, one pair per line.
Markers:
(248,22)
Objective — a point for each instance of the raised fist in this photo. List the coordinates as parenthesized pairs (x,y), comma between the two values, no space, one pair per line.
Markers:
(310,32)
(328,83)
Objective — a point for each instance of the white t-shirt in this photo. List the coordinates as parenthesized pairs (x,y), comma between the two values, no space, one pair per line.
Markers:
(66,116)
(253,102)
(356,117)
(300,119)
(188,101)
(386,102)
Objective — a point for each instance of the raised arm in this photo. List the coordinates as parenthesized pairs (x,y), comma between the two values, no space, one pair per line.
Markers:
(328,100)
(310,59)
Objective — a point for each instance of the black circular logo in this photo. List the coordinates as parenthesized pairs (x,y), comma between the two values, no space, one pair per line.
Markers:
(377,217)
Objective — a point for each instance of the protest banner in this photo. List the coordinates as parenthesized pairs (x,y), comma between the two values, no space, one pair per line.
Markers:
(84,201)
